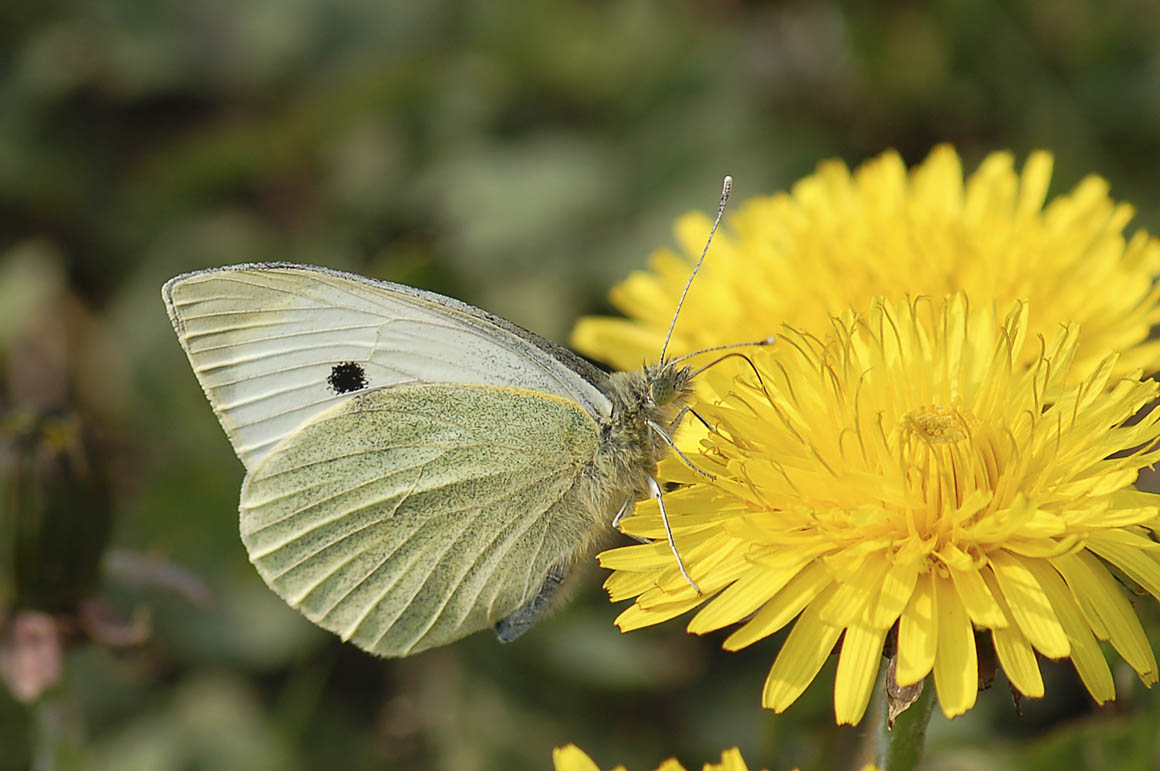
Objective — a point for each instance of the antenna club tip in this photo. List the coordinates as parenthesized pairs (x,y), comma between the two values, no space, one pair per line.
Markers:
(726,186)
(769,340)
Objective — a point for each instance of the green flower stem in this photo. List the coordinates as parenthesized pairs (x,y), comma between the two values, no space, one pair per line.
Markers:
(899,748)
(59,743)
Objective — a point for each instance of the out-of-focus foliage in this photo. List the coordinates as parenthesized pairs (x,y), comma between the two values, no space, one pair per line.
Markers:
(521,156)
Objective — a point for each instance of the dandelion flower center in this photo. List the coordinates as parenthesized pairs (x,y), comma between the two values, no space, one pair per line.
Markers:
(934,424)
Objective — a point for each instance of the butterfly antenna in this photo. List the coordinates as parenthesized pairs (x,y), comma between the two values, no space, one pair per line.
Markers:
(726,189)
(751,344)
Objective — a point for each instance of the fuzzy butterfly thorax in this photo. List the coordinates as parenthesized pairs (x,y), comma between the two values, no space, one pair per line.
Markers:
(630,447)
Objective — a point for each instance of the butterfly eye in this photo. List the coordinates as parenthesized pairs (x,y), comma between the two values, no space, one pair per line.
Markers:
(662,391)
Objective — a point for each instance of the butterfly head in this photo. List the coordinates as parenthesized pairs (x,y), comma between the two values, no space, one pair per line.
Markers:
(655,393)
(667,383)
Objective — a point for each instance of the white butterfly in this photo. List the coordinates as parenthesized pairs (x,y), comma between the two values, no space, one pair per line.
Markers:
(417,469)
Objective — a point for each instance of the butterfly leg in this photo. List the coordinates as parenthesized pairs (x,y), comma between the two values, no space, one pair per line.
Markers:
(625,509)
(681,415)
(664,435)
(655,489)
(524,617)
(620,514)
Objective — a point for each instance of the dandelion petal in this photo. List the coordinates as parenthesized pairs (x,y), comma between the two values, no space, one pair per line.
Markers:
(742,598)
(572,758)
(1092,581)
(956,668)
(977,598)
(806,648)
(1085,652)
(1017,658)
(1029,605)
(1129,554)
(857,669)
(917,634)
(895,593)
(779,611)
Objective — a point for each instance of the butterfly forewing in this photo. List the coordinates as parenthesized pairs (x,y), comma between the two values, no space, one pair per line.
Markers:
(275,345)
(410,516)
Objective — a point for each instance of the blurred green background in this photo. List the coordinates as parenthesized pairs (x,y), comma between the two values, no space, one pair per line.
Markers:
(521,157)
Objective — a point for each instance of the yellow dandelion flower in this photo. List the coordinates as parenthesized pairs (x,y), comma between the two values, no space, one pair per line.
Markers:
(906,472)
(840,239)
(572,758)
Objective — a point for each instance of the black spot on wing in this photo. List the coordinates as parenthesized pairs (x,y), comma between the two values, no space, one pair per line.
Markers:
(347,377)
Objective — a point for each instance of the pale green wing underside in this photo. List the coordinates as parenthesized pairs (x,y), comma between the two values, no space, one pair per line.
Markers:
(411,516)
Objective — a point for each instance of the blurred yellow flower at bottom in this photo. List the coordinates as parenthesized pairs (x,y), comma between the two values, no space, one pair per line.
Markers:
(572,758)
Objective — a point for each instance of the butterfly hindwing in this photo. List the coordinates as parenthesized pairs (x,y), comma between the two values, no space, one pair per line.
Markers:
(410,516)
